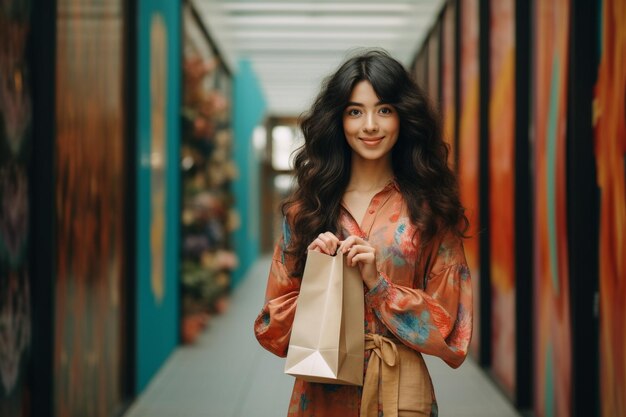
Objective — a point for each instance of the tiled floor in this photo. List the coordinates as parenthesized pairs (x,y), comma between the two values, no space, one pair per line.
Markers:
(227,374)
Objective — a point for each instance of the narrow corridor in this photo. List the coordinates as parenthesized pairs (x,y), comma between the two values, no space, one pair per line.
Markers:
(146,147)
(227,374)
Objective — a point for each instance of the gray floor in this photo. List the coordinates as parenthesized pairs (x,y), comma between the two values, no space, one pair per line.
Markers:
(227,374)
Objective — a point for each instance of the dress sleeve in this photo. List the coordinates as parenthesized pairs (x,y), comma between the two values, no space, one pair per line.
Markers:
(272,327)
(436,320)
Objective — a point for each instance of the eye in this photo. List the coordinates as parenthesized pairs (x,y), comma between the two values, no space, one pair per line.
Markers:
(353,112)
(386,110)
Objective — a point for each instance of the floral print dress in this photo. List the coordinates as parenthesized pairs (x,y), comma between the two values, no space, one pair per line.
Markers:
(423,300)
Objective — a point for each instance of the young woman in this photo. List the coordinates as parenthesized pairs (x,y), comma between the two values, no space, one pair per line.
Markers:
(373,183)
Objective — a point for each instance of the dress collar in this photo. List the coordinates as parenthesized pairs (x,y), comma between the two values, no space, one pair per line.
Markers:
(393,183)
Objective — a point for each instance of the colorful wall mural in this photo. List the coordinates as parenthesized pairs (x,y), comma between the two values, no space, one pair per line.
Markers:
(469,149)
(552,337)
(610,152)
(502,190)
(158,179)
(89,218)
(549,29)
(208,216)
(448,89)
(15,152)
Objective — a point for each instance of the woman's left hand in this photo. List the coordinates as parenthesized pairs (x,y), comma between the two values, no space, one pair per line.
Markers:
(362,254)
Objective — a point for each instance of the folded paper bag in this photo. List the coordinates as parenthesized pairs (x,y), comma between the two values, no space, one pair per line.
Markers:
(327,338)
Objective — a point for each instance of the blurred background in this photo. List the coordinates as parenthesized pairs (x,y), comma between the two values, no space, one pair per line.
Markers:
(145,147)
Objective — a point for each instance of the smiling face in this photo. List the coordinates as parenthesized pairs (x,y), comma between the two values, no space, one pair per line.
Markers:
(371,127)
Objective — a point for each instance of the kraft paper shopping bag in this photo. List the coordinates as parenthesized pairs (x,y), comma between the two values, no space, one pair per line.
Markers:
(327,337)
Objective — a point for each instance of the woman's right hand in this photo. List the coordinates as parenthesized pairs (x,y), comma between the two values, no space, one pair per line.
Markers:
(326,243)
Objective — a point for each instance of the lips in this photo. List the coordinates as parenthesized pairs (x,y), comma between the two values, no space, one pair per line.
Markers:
(372,141)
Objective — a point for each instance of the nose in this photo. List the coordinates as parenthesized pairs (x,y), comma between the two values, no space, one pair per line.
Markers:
(370,124)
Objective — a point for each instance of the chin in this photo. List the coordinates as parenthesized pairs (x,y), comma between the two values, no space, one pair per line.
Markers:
(372,156)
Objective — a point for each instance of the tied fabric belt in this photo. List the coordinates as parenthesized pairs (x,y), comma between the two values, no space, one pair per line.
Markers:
(384,365)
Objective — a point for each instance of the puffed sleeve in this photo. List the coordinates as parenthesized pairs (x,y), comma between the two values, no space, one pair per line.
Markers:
(436,320)
(272,327)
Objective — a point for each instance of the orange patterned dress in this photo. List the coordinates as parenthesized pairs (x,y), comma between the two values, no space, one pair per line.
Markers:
(423,299)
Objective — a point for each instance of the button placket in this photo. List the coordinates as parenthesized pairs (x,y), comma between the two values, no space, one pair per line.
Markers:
(372,211)
(368,221)
(376,202)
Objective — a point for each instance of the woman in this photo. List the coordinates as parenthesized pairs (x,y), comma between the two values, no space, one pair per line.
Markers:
(373,183)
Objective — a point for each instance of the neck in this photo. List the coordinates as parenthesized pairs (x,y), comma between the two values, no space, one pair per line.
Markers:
(368,175)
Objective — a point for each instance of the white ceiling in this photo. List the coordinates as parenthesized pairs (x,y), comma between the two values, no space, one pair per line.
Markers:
(293,45)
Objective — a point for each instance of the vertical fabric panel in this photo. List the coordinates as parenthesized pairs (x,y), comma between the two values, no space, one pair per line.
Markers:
(610,145)
(552,338)
(15,205)
(469,150)
(502,190)
(434,66)
(89,220)
(447,82)
(420,69)
(158,92)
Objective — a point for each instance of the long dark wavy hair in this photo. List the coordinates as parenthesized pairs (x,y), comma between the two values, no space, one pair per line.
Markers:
(419,157)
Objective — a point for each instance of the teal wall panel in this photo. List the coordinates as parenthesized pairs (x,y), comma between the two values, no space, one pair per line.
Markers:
(248,112)
(158,137)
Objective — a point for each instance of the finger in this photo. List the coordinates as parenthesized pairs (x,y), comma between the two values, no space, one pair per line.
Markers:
(347,244)
(365,258)
(330,241)
(350,254)
(318,246)
(356,250)
(321,242)
(324,247)
(312,246)
(360,249)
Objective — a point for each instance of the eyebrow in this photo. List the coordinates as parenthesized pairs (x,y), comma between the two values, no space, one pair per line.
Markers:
(353,103)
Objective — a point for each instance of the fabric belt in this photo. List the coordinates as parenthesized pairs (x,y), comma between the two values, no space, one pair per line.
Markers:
(384,365)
